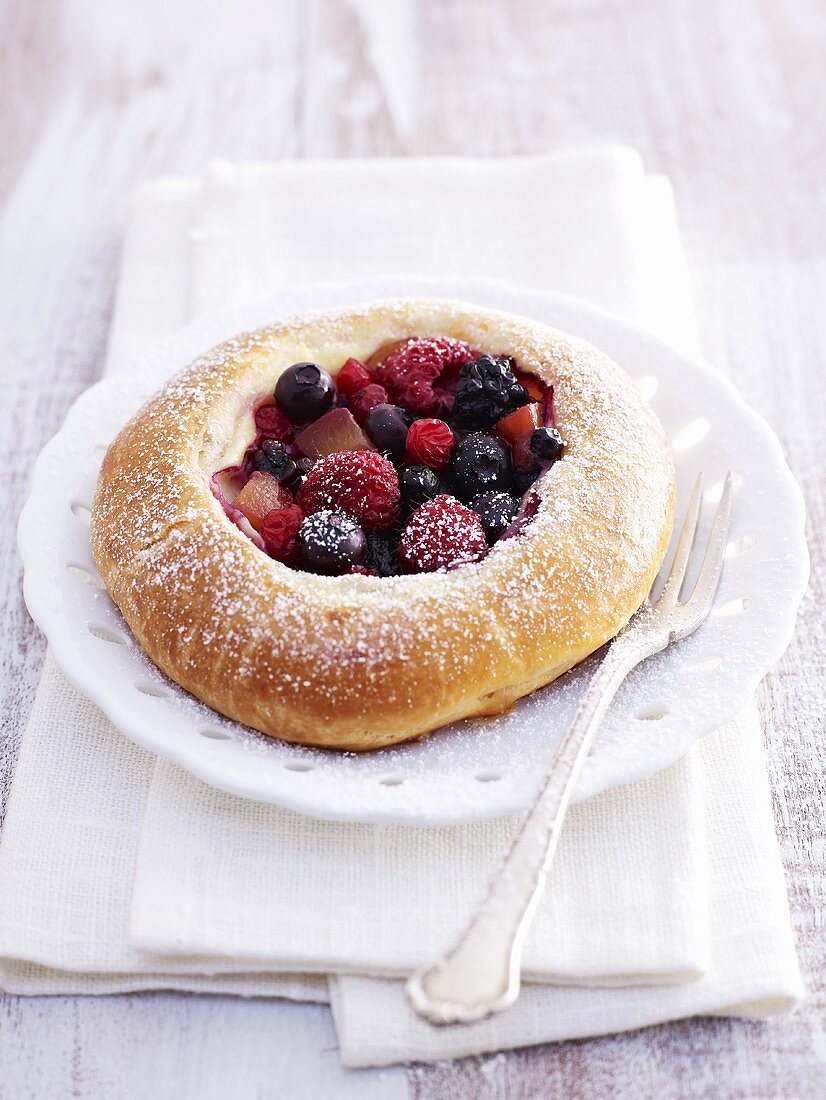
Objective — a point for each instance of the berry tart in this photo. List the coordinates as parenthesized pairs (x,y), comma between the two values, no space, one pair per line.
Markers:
(350,530)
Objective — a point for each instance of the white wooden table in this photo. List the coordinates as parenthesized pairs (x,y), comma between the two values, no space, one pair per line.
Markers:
(727,98)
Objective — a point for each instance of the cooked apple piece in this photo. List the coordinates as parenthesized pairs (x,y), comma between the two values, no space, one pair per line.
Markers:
(259,496)
(335,431)
(516,429)
(535,387)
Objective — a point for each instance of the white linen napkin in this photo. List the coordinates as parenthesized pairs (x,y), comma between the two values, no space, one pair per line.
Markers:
(66,874)
(67,864)
(590,224)
(752,970)
(233,879)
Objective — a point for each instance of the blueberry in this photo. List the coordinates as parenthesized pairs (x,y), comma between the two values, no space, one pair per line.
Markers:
(419,484)
(272,458)
(330,542)
(496,511)
(480,463)
(387,426)
(546,443)
(381,555)
(304,391)
(487,391)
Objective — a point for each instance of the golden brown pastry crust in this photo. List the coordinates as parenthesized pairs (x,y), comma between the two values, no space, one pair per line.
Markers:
(359,662)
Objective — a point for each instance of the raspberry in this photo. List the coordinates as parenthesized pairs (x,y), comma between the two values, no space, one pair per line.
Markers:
(429,443)
(441,533)
(273,424)
(409,373)
(363,571)
(364,484)
(365,399)
(279,531)
(352,377)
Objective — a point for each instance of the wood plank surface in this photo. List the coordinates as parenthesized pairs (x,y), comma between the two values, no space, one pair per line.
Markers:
(723,97)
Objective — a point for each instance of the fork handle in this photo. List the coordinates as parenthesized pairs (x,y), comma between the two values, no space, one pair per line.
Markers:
(480,974)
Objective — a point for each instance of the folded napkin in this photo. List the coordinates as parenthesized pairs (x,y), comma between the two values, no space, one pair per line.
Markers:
(581,223)
(226,877)
(121,872)
(752,969)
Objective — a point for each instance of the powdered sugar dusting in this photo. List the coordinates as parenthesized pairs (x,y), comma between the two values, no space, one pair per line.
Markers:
(285,650)
(434,781)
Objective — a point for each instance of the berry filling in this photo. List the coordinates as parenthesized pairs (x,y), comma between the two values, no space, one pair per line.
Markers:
(330,542)
(279,531)
(366,399)
(362,484)
(419,459)
(420,375)
(440,534)
(430,443)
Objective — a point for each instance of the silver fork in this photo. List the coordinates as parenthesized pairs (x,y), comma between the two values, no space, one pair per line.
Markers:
(480,973)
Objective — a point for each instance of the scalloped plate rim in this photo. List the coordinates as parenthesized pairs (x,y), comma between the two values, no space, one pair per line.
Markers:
(295,799)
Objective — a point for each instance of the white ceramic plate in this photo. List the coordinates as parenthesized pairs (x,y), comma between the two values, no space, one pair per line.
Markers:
(475,769)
